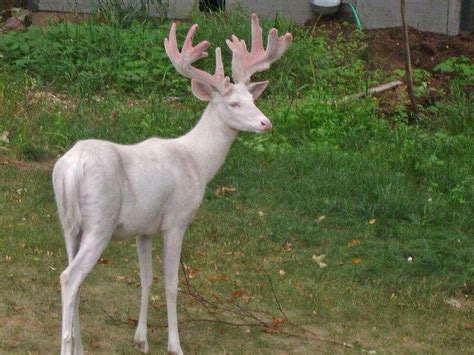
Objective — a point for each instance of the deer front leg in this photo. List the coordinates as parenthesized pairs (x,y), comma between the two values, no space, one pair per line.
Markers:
(172,241)
(146,273)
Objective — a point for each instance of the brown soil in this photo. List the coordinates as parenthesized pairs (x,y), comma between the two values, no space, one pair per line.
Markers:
(5,6)
(6,161)
(427,49)
(46,18)
(386,51)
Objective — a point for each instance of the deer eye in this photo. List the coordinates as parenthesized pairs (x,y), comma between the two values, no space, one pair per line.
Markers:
(234,104)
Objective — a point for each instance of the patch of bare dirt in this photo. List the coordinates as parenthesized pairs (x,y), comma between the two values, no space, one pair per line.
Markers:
(44,18)
(16,18)
(45,165)
(427,49)
(385,52)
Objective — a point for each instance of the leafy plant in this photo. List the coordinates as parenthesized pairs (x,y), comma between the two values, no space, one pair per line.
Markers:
(462,67)
(92,58)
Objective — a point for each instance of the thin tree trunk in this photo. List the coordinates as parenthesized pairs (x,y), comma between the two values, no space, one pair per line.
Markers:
(408,70)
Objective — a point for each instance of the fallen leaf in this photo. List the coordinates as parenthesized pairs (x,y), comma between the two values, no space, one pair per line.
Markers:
(239,293)
(103,261)
(4,137)
(221,190)
(218,277)
(14,307)
(339,262)
(454,303)
(286,246)
(120,278)
(154,299)
(269,330)
(132,321)
(469,325)
(190,271)
(352,243)
(277,321)
(320,260)
(356,261)
(319,219)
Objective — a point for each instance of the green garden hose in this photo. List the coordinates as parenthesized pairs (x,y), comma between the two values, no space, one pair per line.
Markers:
(356,16)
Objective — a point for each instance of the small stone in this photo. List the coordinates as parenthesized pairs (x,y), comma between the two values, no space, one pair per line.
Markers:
(13,24)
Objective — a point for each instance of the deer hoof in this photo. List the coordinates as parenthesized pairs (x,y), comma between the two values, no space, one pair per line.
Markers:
(172,350)
(141,345)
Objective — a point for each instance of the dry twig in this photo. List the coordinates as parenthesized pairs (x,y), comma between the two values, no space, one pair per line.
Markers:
(216,311)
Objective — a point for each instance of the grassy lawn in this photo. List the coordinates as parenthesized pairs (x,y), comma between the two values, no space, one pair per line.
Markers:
(348,224)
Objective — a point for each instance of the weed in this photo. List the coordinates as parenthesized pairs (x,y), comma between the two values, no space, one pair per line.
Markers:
(462,67)
(123,14)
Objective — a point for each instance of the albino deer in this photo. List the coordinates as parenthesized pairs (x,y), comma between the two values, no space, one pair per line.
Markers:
(105,190)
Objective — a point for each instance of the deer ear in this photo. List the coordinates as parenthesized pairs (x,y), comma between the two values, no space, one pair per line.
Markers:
(256,89)
(202,91)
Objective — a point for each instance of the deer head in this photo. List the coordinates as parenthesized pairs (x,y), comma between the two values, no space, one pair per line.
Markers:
(234,102)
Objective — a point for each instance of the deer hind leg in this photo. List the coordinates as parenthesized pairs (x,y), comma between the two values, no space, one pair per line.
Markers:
(92,246)
(73,241)
(146,278)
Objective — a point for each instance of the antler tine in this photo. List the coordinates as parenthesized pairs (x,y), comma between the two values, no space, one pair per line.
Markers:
(257,37)
(219,74)
(245,63)
(189,54)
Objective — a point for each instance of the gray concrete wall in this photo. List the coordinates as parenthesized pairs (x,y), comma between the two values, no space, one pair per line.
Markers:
(175,8)
(298,11)
(442,16)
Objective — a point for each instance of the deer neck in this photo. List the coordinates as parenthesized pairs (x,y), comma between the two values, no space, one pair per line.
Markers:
(209,142)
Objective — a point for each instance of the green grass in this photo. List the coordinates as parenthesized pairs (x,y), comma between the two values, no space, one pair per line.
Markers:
(388,201)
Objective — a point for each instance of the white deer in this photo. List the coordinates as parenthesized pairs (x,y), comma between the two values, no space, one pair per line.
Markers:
(105,190)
